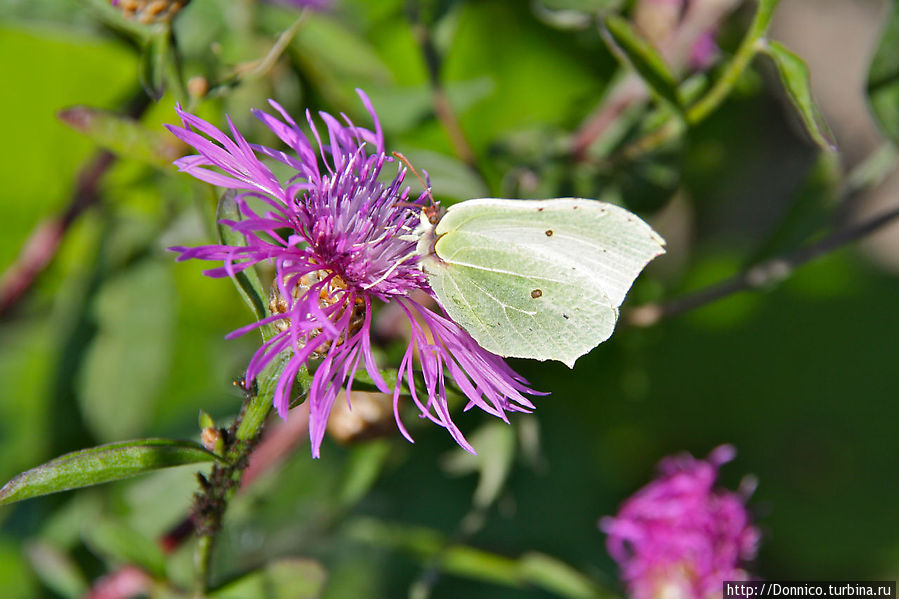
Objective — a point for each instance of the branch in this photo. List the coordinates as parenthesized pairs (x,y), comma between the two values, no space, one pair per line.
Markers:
(761,275)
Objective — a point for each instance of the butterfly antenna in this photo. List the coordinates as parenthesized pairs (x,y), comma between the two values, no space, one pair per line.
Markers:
(427,186)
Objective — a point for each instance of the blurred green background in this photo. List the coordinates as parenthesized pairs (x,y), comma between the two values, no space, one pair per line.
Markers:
(116,341)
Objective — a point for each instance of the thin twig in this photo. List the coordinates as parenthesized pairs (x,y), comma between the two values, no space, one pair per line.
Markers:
(761,275)
(258,68)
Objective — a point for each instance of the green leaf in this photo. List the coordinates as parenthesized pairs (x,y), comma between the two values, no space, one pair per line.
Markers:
(282,579)
(101,464)
(795,78)
(558,577)
(247,280)
(625,43)
(469,562)
(883,77)
(123,135)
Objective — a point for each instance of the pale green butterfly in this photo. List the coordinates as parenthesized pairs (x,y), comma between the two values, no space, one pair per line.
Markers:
(538,279)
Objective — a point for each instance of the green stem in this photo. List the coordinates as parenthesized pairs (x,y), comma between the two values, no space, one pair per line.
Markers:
(202,559)
(745,53)
(223,482)
(749,47)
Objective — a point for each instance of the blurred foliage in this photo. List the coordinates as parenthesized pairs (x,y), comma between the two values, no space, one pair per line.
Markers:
(115,341)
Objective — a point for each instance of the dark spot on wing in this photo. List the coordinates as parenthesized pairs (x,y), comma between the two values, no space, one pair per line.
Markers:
(536,293)
(549,232)
(539,209)
(575,208)
(565,316)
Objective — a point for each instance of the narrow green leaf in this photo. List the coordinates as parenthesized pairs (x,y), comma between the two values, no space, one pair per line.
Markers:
(795,78)
(625,43)
(883,77)
(558,577)
(247,280)
(123,135)
(101,464)
(282,579)
(426,544)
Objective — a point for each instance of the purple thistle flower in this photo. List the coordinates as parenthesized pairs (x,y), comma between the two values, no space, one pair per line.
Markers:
(340,243)
(678,536)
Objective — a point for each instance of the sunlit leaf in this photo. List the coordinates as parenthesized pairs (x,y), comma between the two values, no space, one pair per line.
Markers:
(643,57)
(883,77)
(794,75)
(101,464)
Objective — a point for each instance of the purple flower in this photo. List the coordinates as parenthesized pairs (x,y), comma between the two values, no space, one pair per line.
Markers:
(340,243)
(299,4)
(678,536)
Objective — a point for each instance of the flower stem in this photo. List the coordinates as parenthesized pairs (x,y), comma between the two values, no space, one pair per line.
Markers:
(212,501)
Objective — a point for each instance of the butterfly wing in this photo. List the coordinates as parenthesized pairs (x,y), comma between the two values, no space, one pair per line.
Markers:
(538,279)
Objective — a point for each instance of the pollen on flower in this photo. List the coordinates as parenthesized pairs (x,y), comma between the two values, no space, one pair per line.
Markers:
(332,291)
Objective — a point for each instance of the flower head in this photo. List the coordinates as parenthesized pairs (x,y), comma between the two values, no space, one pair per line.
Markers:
(679,537)
(340,242)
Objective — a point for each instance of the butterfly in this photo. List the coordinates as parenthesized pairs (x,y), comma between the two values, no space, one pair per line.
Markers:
(539,279)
